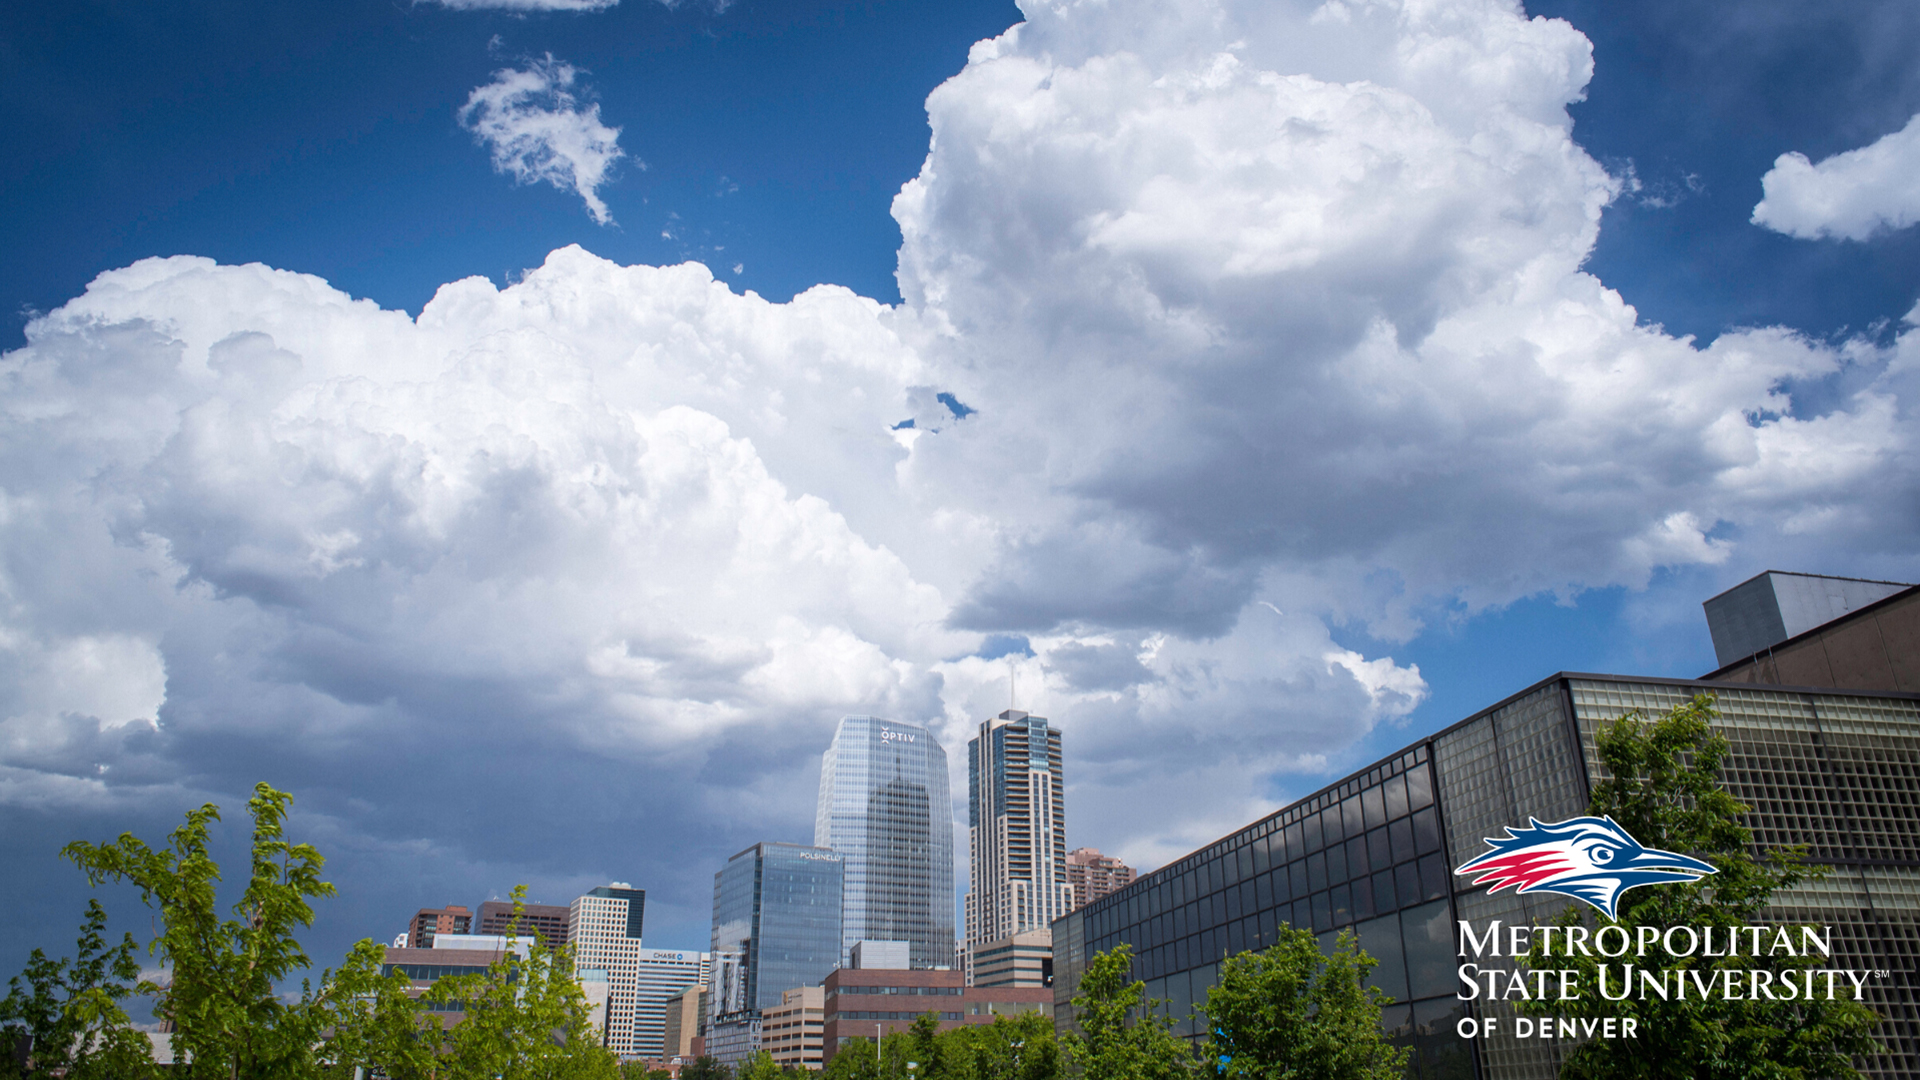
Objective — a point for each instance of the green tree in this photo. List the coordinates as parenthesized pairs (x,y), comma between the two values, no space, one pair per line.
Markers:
(376,1025)
(1291,1012)
(526,1018)
(220,988)
(1123,1035)
(706,1067)
(858,1060)
(1663,787)
(759,1067)
(1020,1047)
(69,1014)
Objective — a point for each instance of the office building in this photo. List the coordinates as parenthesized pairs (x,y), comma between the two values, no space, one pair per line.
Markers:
(604,928)
(866,1003)
(686,1017)
(776,926)
(1025,959)
(792,1030)
(660,976)
(452,919)
(884,807)
(1016,829)
(1094,875)
(548,922)
(1825,766)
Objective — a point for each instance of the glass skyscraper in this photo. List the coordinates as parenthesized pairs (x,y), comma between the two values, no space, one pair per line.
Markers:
(776,925)
(884,807)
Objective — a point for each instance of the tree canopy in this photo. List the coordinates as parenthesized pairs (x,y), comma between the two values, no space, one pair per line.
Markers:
(1290,1012)
(219,990)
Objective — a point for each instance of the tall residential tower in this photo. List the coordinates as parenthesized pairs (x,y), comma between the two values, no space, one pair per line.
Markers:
(1016,829)
(884,808)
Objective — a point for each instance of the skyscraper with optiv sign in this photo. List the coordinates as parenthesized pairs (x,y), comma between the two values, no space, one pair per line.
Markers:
(884,806)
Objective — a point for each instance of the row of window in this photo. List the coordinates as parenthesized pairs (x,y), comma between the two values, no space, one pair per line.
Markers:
(1341,906)
(940,991)
(1375,827)
(1322,891)
(893,1015)
(430,972)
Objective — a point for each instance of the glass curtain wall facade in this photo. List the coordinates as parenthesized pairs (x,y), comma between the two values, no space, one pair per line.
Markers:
(1836,770)
(776,925)
(885,808)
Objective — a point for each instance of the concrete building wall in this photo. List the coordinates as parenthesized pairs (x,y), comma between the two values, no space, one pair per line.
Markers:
(1024,959)
(792,1031)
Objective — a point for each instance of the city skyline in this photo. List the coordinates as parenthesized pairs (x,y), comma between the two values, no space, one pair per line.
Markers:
(1267,383)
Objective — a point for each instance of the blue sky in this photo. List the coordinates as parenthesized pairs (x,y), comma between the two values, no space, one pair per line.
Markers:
(1305,418)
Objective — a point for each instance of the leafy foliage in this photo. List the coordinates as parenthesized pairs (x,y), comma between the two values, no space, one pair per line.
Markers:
(68,1017)
(1291,1012)
(759,1067)
(1663,787)
(706,1067)
(1019,1047)
(855,1061)
(526,1017)
(1122,1035)
(220,991)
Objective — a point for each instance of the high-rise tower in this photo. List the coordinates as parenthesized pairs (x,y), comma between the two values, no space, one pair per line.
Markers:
(884,807)
(1016,829)
(776,926)
(604,929)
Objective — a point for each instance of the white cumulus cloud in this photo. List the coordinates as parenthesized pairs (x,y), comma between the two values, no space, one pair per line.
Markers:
(1232,328)
(538,130)
(1851,196)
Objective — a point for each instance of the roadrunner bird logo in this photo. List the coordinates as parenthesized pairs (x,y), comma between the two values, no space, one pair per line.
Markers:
(1591,859)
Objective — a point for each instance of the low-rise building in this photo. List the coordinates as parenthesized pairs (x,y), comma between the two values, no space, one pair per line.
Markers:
(424,967)
(452,919)
(792,1031)
(547,921)
(1025,959)
(867,1003)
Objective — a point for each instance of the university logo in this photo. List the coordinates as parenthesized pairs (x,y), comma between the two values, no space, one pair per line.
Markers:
(1591,859)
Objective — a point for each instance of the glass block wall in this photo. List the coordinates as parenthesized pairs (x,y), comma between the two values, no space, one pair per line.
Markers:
(1839,772)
